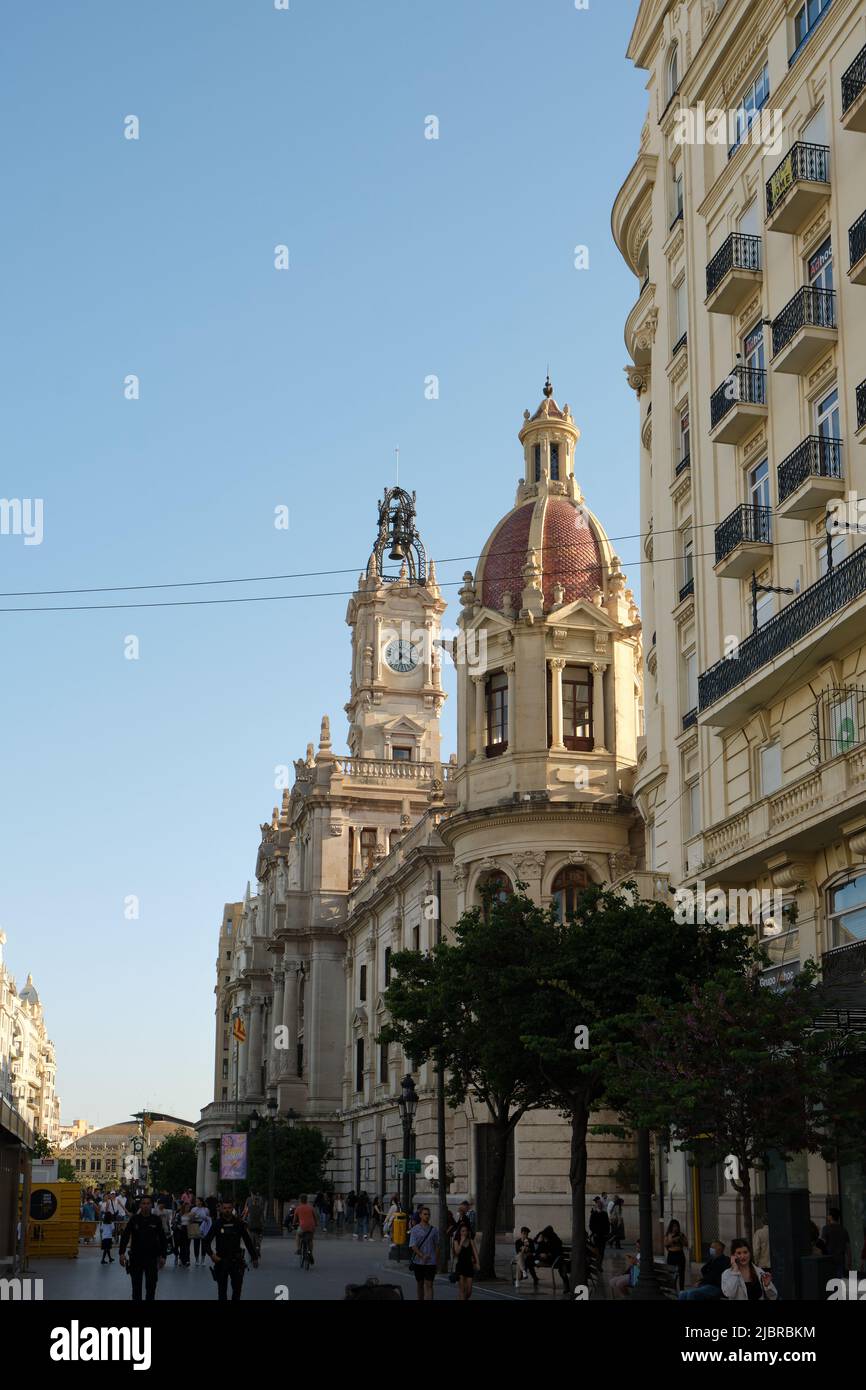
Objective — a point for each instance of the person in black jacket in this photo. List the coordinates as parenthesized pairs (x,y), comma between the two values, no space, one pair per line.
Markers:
(145,1233)
(710,1284)
(224,1245)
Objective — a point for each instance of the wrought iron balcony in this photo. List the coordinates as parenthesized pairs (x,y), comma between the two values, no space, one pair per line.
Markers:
(746,525)
(861,406)
(801,616)
(680,343)
(817,458)
(744,392)
(797,186)
(857,247)
(687,590)
(683,464)
(690,719)
(853,88)
(803,329)
(739,252)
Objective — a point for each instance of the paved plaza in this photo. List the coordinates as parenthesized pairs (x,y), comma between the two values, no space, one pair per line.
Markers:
(339,1261)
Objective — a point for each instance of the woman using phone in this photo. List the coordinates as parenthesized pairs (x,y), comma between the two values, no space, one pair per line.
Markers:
(675,1245)
(465,1261)
(746,1282)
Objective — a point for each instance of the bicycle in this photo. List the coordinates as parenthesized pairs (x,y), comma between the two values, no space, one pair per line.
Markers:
(306,1250)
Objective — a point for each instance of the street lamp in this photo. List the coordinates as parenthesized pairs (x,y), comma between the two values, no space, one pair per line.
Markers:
(271,1227)
(407,1105)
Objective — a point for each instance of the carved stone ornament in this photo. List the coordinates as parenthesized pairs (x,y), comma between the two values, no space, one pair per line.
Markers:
(621,863)
(459,874)
(638,378)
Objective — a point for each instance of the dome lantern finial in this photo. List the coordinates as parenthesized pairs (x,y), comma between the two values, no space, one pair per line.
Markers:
(548,388)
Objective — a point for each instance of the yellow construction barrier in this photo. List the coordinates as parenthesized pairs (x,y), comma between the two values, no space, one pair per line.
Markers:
(54,1219)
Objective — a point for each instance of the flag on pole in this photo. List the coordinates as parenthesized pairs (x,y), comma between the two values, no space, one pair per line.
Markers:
(239,1031)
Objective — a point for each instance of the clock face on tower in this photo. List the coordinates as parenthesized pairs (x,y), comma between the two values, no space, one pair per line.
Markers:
(401,657)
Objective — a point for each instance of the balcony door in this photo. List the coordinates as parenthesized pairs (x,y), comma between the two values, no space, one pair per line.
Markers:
(819,267)
(827,416)
(753,349)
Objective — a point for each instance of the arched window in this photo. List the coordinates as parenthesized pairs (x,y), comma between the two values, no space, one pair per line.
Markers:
(568,885)
(673,70)
(494,887)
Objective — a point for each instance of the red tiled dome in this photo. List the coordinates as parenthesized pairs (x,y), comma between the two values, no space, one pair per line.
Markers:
(505,557)
(571,555)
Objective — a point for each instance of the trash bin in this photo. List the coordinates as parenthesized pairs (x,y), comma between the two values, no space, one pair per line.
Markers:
(398,1228)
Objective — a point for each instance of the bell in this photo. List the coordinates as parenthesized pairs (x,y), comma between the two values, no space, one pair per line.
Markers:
(397,551)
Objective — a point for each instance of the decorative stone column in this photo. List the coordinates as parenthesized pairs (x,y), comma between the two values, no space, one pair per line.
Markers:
(598,671)
(557,665)
(276,1054)
(480,716)
(509,671)
(201,1169)
(211,1178)
(288,1067)
(243,1050)
(254,1051)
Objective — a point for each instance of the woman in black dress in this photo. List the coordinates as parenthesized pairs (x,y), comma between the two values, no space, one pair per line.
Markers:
(675,1245)
(465,1261)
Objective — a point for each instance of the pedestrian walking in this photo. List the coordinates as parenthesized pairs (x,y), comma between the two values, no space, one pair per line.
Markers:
(393,1208)
(144,1238)
(675,1245)
(599,1226)
(254,1216)
(181,1235)
(466,1262)
(837,1243)
(339,1214)
(617,1224)
(199,1225)
(362,1217)
(224,1246)
(377,1219)
(106,1237)
(423,1252)
(350,1209)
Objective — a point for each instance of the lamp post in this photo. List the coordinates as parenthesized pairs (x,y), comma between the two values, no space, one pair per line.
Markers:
(408,1104)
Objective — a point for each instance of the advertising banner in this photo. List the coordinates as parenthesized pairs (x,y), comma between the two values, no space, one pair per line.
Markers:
(233,1157)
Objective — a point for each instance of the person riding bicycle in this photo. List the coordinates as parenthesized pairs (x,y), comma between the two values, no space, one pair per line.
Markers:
(305,1224)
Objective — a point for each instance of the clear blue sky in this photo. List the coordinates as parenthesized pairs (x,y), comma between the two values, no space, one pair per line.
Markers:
(408,257)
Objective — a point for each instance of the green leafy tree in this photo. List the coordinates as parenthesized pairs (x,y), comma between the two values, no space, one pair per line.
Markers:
(172,1166)
(66,1170)
(463,1006)
(740,1069)
(301,1155)
(42,1146)
(580,1012)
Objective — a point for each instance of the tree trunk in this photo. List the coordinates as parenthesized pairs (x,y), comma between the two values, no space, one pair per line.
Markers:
(488,1200)
(577,1178)
(746,1187)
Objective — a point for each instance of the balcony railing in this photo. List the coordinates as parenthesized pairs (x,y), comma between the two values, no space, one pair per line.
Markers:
(861,405)
(810,308)
(802,615)
(680,343)
(690,718)
(687,590)
(857,240)
(747,385)
(816,457)
(853,81)
(739,252)
(745,523)
(383,769)
(810,163)
(683,464)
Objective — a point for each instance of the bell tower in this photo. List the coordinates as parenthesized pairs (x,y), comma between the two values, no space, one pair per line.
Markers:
(395,617)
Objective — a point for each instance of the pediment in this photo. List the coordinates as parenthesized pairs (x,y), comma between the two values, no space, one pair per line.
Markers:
(360,1021)
(403,725)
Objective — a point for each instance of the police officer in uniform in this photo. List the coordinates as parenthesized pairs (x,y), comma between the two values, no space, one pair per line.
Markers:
(224,1244)
(145,1232)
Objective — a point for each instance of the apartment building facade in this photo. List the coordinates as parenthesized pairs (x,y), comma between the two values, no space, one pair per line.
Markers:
(744,219)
